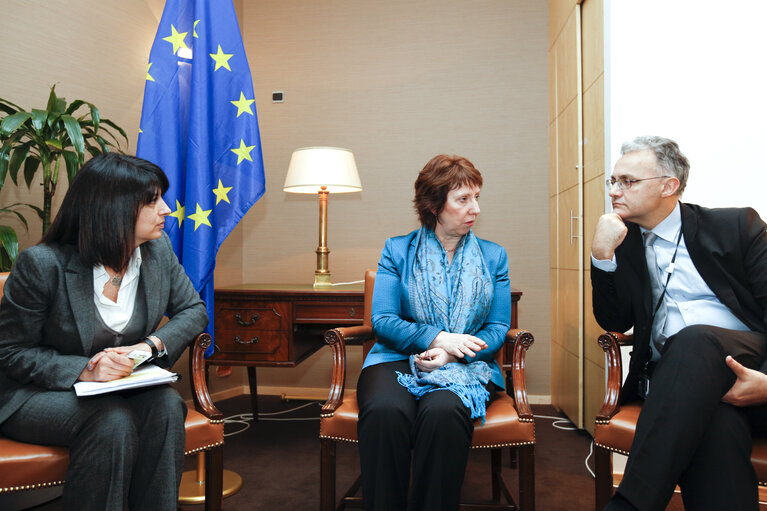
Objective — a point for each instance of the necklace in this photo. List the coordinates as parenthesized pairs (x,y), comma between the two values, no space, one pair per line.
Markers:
(116,280)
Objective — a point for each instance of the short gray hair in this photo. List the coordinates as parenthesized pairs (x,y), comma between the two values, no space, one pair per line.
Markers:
(670,159)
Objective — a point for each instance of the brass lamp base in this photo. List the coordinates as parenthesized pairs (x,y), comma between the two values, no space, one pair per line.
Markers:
(322,279)
(192,491)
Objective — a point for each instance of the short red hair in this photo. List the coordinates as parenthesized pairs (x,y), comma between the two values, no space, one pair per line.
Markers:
(442,174)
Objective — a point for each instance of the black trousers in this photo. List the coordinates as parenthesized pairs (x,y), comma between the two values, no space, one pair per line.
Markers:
(685,435)
(437,428)
(123,447)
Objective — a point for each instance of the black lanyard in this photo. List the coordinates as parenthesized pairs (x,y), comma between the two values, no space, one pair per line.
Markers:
(669,271)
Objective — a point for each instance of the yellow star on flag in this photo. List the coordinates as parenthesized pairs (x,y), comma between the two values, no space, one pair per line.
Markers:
(243,105)
(221,58)
(243,152)
(222,192)
(148,76)
(194,29)
(200,217)
(176,39)
(179,213)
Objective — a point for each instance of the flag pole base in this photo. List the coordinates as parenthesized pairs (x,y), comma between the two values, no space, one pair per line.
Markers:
(192,490)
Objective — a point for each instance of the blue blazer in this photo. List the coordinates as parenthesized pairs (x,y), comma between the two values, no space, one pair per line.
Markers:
(399,335)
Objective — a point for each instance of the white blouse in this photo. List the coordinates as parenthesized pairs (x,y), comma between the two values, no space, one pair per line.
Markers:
(116,315)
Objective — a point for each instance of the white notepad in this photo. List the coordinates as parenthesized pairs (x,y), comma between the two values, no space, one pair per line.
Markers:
(144,376)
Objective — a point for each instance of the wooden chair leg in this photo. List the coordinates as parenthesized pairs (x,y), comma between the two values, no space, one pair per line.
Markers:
(214,478)
(496,456)
(603,482)
(526,456)
(327,475)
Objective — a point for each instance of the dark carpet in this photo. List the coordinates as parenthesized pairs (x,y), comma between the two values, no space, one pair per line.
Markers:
(278,459)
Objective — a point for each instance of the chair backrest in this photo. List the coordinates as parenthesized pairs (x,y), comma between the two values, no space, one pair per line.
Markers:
(3,277)
(370,278)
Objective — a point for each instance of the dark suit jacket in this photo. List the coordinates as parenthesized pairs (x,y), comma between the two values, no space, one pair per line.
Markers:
(47,317)
(729,249)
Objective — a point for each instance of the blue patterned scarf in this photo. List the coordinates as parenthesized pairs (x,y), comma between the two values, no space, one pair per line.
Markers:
(456,298)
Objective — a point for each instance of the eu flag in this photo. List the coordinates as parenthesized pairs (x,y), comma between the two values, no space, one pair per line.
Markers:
(199,124)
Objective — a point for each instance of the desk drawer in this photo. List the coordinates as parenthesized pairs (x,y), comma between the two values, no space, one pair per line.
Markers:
(318,312)
(246,318)
(262,344)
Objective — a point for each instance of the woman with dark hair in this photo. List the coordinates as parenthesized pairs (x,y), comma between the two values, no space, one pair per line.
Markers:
(93,290)
(441,309)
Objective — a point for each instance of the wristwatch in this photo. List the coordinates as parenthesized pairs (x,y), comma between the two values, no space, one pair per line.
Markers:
(154,349)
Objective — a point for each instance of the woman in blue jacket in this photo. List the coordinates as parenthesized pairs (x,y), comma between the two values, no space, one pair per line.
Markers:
(441,310)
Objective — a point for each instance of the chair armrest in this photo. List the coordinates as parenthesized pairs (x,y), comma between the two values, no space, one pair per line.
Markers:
(520,341)
(337,339)
(611,343)
(202,400)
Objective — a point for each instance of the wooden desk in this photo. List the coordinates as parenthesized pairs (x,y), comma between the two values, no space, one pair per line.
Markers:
(278,325)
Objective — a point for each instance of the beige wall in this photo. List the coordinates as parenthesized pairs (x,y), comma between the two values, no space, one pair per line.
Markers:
(398,82)
(395,81)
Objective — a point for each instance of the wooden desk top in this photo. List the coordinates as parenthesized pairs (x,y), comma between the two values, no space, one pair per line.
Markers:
(294,289)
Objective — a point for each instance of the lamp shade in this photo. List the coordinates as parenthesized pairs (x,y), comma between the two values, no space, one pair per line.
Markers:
(313,167)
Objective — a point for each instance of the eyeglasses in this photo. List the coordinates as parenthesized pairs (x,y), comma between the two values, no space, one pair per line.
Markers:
(625,183)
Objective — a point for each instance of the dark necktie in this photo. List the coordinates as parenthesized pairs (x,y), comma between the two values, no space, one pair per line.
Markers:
(659,320)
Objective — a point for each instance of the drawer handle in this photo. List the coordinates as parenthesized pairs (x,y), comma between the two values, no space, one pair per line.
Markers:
(252,321)
(351,312)
(238,340)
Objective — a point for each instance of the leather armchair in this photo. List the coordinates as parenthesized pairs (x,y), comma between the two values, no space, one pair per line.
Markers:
(509,420)
(615,424)
(29,466)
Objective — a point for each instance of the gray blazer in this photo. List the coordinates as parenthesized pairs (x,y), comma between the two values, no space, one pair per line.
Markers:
(47,317)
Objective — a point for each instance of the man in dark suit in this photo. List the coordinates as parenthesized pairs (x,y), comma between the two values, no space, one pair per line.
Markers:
(692,282)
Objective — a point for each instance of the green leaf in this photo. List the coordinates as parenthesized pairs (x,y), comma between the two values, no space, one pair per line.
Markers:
(14,212)
(96,116)
(8,107)
(38,119)
(102,143)
(93,150)
(5,152)
(30,169)
(51,99)
(10,242)
(75,134)
(54,143)
(74,105)
(10,123)
(118,128)
(73,164)
(19,155)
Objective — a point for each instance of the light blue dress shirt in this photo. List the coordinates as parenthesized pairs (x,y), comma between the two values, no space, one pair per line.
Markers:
(688,299)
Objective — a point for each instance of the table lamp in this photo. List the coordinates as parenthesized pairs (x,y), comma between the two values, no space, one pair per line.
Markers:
(322,170)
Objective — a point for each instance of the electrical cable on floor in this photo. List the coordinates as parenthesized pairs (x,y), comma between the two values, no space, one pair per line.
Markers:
(246,419)
(569,426)
(558,422)
(591,451)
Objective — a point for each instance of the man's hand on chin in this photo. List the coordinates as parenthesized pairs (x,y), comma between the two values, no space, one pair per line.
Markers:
(749,389)
(609,234)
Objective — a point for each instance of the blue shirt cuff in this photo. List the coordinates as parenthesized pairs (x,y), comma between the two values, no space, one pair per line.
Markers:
(608,265)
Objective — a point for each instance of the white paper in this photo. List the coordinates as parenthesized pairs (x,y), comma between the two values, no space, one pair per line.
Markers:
(142,377)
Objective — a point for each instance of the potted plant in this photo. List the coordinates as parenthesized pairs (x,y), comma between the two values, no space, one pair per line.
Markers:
(42,139)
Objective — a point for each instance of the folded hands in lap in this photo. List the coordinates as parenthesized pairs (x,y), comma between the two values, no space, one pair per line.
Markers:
(448,347)
(111,364)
